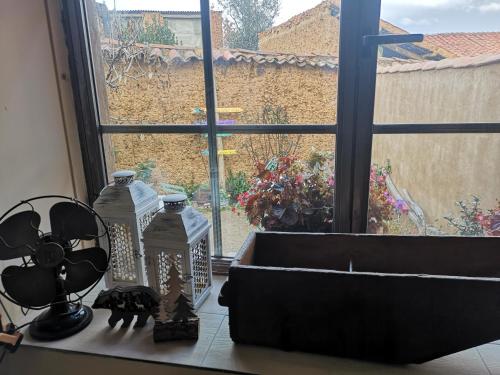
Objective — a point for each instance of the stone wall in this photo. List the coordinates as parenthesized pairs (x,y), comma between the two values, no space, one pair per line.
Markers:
(314,31)
(170,92)
(436,170)
(216,27)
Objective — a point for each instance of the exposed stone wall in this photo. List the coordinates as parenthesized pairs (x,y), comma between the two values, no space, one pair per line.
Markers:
(436,170)
(216,28)
(314,31)
(169,93)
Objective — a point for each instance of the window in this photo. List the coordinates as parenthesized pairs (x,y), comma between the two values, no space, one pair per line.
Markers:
(266,119)
(433,160)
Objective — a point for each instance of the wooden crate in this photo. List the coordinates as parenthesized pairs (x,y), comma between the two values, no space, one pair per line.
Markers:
(383,298)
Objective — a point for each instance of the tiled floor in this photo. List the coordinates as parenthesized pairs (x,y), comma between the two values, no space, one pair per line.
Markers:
(214,349)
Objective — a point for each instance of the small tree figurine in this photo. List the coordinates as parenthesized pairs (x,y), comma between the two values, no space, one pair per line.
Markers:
(182,323)
(174,286)
(183,310)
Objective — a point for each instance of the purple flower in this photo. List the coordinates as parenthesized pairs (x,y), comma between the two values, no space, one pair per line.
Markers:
(401,206)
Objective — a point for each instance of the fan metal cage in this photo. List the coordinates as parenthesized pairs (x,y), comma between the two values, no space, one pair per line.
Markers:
(56,269)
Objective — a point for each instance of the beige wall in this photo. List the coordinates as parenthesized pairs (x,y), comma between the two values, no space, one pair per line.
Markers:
(39,151)
(438,170)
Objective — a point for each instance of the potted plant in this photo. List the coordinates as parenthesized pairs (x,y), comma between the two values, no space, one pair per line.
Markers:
(289,195)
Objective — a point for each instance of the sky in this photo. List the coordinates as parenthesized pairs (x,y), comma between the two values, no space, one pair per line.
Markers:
(422,16)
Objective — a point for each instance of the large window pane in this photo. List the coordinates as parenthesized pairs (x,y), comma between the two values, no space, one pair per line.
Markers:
(435,184)
(275,182)
(451,77)
(276,64)
(169,163)
(148,62)
(159,159)
(290,177)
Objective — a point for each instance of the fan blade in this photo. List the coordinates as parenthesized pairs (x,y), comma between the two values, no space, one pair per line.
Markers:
(17,233)
(84,268)
(49,255)
(30,286)
(70,221)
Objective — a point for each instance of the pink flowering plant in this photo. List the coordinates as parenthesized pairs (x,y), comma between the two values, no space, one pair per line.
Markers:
(472,220)
(382,206)
(490,222)
(287,194)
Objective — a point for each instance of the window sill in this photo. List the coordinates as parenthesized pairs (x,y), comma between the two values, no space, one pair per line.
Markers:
(220,266)
(214,350)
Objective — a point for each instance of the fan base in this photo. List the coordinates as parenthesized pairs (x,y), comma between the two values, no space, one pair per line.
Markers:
(53,325)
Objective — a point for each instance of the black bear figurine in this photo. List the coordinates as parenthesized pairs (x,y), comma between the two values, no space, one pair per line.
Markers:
(125,302)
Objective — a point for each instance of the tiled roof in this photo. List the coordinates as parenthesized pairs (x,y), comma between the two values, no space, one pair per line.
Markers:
(454,63)
(389,61)
(159,53)
(422,50)
(467,44)
(179,55)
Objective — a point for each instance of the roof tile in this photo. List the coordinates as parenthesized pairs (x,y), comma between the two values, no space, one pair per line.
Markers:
(155,53)
(457,63)
(467,44)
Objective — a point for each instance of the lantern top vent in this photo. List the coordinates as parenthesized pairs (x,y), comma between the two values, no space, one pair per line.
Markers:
(174,202)
(126,195)
(123,177)
(176,224)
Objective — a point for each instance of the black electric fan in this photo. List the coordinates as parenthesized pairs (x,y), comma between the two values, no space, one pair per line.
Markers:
(54,269)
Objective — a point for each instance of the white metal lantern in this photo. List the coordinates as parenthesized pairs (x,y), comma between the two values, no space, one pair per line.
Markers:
(178,233)
(127,206)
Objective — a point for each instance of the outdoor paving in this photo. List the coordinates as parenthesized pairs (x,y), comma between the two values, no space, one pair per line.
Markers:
(235,229)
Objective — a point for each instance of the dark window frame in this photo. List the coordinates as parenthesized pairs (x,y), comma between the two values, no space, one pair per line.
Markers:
(354,129)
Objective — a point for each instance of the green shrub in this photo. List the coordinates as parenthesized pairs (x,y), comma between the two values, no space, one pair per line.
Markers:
(157,33)
(235,185)
(190,188)
(144,171)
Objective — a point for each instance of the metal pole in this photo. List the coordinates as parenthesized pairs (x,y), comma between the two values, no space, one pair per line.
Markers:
(211,104)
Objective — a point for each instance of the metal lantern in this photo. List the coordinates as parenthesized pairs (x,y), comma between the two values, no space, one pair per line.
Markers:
(179,234)
(127,206)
